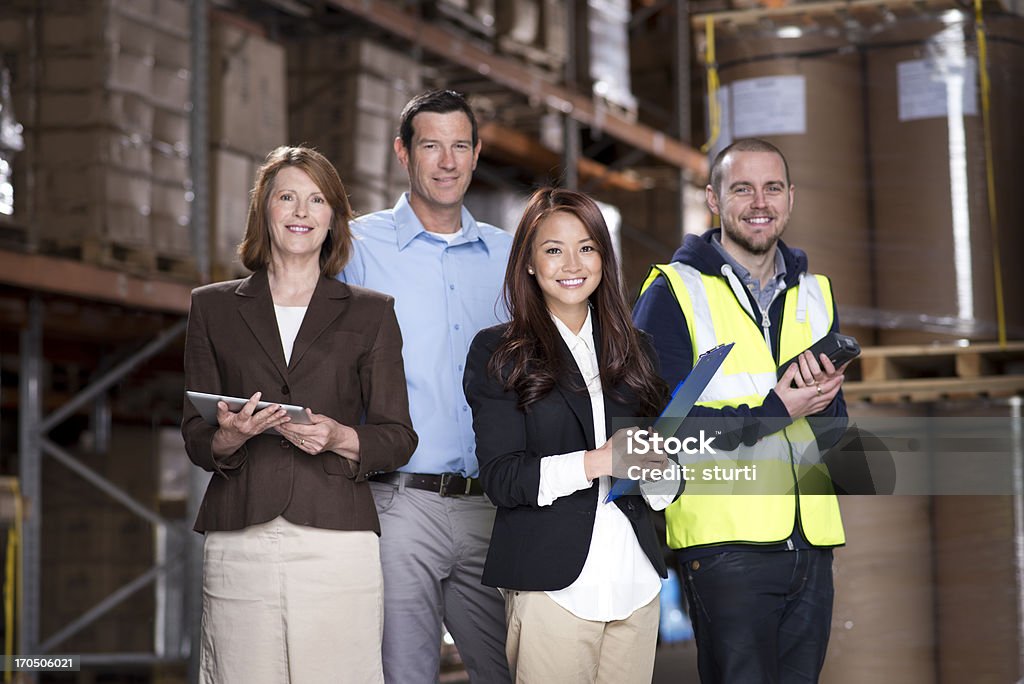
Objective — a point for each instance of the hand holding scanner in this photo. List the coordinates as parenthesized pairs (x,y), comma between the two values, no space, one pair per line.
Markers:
(838,348)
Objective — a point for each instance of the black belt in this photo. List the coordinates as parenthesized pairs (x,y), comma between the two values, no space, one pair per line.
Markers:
(445,484)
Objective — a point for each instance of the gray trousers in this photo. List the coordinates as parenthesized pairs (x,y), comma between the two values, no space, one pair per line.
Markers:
(432,552)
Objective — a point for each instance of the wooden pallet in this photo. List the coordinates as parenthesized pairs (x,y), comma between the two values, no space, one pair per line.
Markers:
(130,258)
(465,21)
(918,373)
(178,266)
(116,255)
(536,59)
(747,13)
(13,235)
(628,113)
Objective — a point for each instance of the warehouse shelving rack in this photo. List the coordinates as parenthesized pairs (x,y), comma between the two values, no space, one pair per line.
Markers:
(31,281)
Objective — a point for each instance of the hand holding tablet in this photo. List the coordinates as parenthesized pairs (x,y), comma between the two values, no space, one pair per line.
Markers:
(206,404)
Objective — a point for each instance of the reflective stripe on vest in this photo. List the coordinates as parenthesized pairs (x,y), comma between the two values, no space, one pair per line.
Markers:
(714,315)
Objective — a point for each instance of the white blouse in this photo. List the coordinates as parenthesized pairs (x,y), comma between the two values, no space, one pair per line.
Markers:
(289,320)
(617,577)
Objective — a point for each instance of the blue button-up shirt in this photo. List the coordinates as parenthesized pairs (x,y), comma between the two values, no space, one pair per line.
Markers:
(444,293)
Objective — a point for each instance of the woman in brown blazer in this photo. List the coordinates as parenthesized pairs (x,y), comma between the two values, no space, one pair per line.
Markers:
(291,571)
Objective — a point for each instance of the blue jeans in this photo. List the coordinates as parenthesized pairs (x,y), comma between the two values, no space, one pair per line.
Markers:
(761,617)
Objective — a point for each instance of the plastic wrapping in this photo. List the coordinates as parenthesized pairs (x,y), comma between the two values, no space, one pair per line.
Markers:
(11,142)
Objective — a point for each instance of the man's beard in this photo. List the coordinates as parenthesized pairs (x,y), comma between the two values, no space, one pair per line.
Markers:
(744,241)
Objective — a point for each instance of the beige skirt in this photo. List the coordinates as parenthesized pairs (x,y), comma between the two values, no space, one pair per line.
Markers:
(290,604)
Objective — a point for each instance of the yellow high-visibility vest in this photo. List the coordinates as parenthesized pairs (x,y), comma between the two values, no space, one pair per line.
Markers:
(720,512)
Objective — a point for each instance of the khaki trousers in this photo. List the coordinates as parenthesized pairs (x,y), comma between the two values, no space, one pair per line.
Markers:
(290,604)
(546,643)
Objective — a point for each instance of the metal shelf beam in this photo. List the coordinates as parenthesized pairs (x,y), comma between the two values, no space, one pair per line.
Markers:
(53,275)
(509,73)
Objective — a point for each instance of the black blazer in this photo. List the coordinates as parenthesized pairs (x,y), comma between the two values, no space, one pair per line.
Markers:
(536,548)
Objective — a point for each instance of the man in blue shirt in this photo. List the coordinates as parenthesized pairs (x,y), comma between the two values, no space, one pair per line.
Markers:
(445,271)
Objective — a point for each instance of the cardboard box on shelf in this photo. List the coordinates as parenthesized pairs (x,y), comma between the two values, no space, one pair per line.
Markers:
(171,15)
(88,231)
(88,185)
(603,55)
(248,108)
(520,21)
(171,50)
(171,127)
(367,198)
(170,87)
(77,147)
(107,68)
(231,176)
(125,111)
(170,220)
(347,54)
(169,164)
(92,26)
(171,199)
(533,30)
(172,239)
(474,17)
(14,33)
(346,104)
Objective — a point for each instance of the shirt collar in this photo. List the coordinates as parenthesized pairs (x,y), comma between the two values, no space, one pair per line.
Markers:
(585,336)
(743,273)
(409,225)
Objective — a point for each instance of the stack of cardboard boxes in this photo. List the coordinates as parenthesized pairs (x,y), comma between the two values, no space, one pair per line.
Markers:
(248,119)
(346,94)
(105,106)
(602,54)
(475,16)
(534,31)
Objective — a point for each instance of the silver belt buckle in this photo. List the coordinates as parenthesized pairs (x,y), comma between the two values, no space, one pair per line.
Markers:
(446,479)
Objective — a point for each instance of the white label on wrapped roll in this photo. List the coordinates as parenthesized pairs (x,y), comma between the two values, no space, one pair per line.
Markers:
(926,87)
(772,105)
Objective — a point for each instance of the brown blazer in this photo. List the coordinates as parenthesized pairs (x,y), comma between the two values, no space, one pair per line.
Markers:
(346,363)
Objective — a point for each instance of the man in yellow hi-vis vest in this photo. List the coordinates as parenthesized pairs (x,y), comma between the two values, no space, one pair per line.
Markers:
(757,567)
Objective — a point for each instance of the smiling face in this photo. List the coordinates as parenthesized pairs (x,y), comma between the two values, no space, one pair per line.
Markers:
(299,215)
(440,161)
(755,201)
(566,264)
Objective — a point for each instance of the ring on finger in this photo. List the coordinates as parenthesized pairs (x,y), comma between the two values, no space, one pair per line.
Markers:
(302,441)
(818,387)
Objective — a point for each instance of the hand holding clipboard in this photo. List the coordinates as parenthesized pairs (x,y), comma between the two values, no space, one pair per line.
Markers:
(679,406)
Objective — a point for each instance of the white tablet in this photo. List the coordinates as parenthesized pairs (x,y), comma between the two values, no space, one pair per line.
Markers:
(206,404)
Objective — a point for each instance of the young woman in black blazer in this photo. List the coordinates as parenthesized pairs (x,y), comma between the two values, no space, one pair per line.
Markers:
(581,577)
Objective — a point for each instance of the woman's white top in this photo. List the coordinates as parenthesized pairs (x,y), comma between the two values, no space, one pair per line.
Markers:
(617,577)
(289,319)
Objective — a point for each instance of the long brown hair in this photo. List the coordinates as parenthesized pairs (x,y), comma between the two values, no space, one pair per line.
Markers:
(529,359)
(337,246)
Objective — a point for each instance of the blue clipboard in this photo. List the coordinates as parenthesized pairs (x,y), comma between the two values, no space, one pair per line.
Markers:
(683,398)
